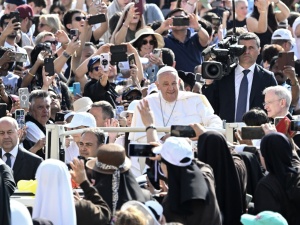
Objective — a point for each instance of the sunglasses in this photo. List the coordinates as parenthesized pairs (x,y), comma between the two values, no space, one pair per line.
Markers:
(152,42)
(79,18)
(42,24)
(52,42)
(131,98)
(97,68)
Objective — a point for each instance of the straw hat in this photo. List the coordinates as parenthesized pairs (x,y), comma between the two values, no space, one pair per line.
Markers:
(110,157)
(149,31)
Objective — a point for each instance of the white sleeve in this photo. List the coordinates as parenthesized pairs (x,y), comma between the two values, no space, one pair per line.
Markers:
(209,119)
(33,132)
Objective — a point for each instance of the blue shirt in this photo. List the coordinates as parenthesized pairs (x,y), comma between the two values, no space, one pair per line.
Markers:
(188,53)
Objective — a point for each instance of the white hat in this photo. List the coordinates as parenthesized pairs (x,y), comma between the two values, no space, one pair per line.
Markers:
(176,150)
(83,104)
(152,220)
(282,34)
(166,69)
(152,88)
(130,108)
(82,119)
(155,208)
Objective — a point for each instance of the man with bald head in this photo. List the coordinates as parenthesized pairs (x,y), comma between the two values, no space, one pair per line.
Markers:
(173,107)
(23,163)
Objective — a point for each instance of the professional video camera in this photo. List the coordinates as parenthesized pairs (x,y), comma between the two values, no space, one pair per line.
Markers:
(225,58)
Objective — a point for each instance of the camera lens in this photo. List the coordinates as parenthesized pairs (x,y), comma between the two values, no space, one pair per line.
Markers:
(213,70)
(104,62)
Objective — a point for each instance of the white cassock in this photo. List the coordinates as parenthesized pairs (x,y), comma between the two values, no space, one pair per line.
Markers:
(189,108)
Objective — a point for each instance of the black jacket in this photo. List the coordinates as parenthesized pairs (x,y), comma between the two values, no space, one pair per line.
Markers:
(221,94)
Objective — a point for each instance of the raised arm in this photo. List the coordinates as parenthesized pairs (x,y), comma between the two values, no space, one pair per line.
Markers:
(260,25)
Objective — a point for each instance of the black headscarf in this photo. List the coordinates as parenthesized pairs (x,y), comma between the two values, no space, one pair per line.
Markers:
(277,151)
(185,184)
(5,214)
(213,150)
(254,171)
(128,188)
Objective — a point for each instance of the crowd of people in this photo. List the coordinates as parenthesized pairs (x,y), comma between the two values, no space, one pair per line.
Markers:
(150,63)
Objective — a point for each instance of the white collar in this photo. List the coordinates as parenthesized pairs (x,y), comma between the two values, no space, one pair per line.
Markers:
(240,69)
(13,152)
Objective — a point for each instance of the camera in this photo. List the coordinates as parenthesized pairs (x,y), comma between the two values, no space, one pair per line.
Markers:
(224,58)
(104,61)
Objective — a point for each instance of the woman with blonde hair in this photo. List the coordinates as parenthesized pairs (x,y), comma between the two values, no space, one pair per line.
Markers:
(50,23)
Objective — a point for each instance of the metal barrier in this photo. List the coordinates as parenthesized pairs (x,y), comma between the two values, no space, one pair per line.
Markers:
(55,135)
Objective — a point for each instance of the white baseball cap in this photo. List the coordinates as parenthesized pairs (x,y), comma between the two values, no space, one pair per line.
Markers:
(82,119)
(152,88)
(130,108)
(177,151)
(282,34)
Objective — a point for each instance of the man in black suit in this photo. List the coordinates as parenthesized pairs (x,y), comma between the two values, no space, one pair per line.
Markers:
(23,163)
(224,94)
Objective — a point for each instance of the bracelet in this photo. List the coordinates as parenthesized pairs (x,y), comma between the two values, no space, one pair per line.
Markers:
(296,83)
(150,127)
(30,74)
(125,25)
(191,4)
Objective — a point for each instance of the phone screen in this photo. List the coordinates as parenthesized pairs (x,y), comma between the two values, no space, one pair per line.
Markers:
(252,132)
(140,150)
(182,131)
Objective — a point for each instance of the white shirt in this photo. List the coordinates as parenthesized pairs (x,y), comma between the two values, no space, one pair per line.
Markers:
(190,108)
(13,156)
(237,83)
(10,82)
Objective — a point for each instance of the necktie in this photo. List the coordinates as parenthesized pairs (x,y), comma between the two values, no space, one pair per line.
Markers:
(242,100)
(8,160)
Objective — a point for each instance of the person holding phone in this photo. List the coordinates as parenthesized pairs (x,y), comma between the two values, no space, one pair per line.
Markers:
(186,44)
(128,24)
(146,41)
(282,75)
(263,21)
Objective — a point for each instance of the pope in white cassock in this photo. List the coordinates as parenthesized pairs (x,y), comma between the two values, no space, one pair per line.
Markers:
(173,107)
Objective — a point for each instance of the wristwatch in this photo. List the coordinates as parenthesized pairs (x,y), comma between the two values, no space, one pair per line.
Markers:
(65,54)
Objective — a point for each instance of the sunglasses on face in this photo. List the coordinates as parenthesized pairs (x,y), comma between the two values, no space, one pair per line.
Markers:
(42,24)
(52,42)
(97,68)
(79,18)
(152,42)
(131,98)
